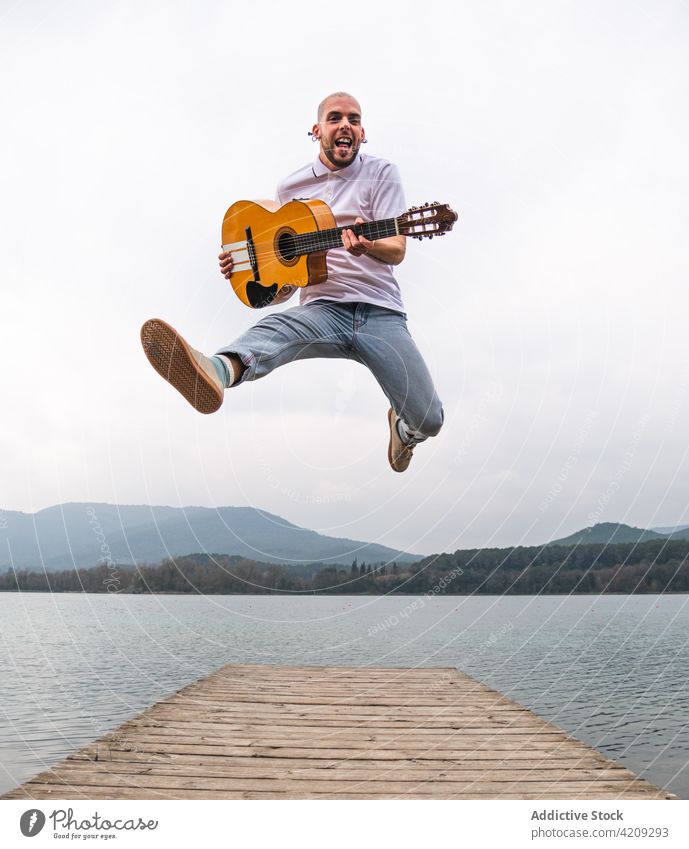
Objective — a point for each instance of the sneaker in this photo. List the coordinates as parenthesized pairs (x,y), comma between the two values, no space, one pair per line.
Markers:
(188,370)
(399,453)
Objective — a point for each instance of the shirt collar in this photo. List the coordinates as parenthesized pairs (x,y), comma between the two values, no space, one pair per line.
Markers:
(320,170)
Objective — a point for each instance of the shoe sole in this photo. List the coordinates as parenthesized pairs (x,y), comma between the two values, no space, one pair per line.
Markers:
(171,357)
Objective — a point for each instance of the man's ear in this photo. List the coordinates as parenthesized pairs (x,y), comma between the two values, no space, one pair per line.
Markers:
(315,132)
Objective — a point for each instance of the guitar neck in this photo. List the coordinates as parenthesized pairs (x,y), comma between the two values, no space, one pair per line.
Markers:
(325,240)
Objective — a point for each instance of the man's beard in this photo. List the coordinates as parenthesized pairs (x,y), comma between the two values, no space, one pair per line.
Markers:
(338,163)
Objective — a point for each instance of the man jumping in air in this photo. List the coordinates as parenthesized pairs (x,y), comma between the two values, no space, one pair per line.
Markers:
(357,313)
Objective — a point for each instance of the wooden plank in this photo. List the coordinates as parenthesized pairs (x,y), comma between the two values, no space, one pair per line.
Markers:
(268,733)
(77,773)
(357,686)
(258,670)
(479,760)
(162,717)
(399,753)
(458,739)
(364,712)
(340,704)
(177,725)
(566,785)
(178,788)
(57,791)
(336,732)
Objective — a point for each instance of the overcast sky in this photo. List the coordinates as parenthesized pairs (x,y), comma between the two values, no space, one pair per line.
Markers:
(553,318)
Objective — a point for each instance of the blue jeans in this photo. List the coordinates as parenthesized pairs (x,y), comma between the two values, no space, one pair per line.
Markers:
(372,335)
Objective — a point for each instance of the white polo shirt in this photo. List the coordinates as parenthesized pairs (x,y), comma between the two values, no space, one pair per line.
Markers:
(369,188)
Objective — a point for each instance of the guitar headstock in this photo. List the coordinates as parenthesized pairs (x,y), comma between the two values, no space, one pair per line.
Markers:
(431,219)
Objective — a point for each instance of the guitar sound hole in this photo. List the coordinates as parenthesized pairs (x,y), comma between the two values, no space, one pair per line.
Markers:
(287,246)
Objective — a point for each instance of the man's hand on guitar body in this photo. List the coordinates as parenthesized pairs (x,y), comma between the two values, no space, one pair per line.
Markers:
(226,264)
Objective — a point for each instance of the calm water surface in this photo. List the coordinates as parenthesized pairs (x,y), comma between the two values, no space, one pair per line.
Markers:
(612,670)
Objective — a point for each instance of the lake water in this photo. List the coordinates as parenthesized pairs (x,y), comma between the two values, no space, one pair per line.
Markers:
(611,670)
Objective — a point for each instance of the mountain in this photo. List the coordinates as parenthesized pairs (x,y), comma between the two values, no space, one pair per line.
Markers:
(608,532)
(680,533)
(82,535)
(677,532)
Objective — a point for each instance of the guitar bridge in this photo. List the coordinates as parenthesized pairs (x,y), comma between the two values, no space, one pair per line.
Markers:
(252,253)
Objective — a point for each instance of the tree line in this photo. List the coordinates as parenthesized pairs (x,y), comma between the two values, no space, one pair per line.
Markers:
(651,567)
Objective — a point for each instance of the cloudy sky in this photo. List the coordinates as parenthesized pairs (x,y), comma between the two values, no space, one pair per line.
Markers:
(554,317)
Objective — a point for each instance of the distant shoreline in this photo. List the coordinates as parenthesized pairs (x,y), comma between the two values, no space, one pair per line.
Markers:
(331,594)
(620,569)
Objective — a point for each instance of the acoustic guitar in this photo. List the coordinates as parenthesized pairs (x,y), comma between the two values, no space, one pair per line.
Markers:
(277,246)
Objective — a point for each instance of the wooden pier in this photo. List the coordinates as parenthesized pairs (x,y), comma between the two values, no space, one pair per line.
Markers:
(272,732)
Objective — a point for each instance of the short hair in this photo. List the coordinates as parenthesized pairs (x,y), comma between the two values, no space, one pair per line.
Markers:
(321,105)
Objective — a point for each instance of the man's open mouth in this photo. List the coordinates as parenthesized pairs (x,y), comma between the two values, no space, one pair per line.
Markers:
(343,143)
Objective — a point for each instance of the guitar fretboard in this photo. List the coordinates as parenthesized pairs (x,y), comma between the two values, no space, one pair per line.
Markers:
(325,240)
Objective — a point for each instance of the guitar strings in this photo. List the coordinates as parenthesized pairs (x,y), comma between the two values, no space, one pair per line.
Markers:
(324,240)
(332,238)
(381,228)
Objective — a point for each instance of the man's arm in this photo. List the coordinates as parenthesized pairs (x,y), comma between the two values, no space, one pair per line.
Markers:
(390,250)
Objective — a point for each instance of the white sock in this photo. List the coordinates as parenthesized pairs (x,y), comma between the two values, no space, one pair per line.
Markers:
(225,368)
(405,434)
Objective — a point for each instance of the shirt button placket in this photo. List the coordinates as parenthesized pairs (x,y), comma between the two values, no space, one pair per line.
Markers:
(329,189)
